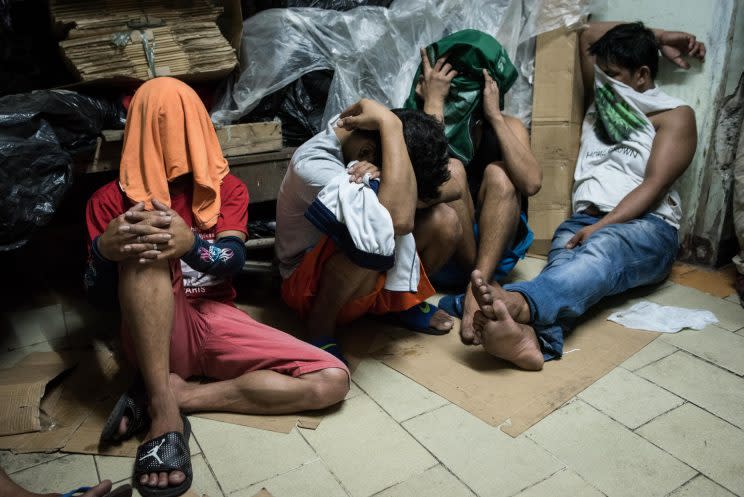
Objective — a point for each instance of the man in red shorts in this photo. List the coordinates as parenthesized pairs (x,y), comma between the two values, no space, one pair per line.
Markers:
(171,230)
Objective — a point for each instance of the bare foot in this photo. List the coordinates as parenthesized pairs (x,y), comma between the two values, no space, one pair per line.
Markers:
(469,306)
(183,389)
(506,339)
(484,294)
(166,417)
(441,321)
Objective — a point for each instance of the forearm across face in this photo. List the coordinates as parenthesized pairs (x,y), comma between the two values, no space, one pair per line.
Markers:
(397,182)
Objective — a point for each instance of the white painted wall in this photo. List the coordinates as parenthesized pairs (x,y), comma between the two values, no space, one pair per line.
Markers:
(712,22)
(736,62)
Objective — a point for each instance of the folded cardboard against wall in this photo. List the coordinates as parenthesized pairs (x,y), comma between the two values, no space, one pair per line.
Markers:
(557,113)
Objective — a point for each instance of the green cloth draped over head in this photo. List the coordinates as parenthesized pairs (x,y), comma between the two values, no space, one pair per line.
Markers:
(469,52)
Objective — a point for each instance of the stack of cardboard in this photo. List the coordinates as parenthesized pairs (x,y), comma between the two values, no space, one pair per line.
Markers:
(557,113)
(143,39)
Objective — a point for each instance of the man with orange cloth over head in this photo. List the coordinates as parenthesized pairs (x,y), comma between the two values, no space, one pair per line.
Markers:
(171,230)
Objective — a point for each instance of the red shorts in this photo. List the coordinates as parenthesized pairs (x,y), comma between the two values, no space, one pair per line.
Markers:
(218,340)
(299,290)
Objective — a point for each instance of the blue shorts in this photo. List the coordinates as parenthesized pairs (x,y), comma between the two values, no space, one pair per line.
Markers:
(452,276)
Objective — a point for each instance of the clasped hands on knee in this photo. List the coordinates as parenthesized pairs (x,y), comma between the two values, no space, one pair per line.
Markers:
(146,236)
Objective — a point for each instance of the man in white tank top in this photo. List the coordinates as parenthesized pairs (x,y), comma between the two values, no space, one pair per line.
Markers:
(636,141)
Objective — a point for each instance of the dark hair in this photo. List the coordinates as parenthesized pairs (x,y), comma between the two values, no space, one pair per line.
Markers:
(427,149)
(630,46)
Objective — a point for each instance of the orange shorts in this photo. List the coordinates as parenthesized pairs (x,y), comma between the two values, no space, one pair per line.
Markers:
(299,290)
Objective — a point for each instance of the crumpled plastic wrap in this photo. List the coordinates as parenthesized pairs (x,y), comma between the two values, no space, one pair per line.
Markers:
(374,51)
(40,133)
(334,4)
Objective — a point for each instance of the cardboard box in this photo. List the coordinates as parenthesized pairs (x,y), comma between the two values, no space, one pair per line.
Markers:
(558,173)
(556,141)
(557,113)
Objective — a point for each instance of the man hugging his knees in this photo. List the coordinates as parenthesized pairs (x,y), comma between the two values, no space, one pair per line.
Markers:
(636,141)
(348,240)
(165,240)
(462,82)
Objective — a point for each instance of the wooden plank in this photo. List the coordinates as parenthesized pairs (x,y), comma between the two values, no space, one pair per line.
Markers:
(259,142)
(250,138)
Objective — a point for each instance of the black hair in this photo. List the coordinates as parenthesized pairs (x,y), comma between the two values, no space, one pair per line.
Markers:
(427,149)
(630,46)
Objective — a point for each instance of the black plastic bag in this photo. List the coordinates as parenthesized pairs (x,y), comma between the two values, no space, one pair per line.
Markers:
(40,133)
(299,106)
(75,119)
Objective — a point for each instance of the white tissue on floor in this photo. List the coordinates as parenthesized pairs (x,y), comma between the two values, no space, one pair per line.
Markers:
(662,318)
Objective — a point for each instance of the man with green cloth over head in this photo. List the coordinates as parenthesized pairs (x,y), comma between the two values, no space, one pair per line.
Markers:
(462,81)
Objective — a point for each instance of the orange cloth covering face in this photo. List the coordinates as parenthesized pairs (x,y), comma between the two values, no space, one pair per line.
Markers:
(169,134)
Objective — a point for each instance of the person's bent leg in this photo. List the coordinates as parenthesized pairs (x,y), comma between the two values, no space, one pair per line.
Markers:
(515,301)
(264,392)
(437,231)
(341,281)
(259,369)
(499,204)
(465,248)
(146,298)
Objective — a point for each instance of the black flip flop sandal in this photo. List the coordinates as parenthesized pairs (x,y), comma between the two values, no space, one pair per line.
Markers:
(135,411)
(166,453)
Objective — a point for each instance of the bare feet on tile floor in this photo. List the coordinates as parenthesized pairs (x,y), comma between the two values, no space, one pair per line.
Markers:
(502,336)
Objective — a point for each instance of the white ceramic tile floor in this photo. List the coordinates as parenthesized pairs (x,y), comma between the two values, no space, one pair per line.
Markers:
(394,438)
(628,398)
(712,344)
(607,454)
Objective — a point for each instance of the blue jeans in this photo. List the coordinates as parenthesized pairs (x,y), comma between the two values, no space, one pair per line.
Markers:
(615,258)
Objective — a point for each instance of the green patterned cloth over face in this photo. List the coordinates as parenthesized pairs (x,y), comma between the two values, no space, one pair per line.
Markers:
(617,120)
(469,52)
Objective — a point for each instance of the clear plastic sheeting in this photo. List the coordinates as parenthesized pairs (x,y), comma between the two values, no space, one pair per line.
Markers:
(374,51)
(334,4)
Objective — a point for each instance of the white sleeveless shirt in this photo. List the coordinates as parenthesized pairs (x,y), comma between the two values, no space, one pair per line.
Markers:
(616,139)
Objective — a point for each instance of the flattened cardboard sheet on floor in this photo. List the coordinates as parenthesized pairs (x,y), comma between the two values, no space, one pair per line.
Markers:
(502,395)
(67,403)
(22,388)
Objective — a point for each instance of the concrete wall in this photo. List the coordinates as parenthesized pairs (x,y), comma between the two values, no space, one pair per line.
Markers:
(703,86)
